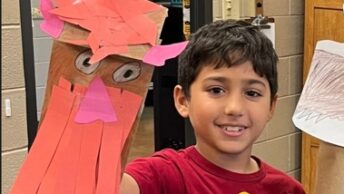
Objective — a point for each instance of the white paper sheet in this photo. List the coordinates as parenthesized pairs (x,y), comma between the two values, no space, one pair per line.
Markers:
(320,110)
(270,32)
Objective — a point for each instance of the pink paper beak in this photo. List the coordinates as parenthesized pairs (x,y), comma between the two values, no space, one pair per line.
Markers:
(96,104)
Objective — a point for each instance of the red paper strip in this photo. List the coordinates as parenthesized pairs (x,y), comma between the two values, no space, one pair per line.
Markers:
(75,11)
(109,158)
(66,177)
(48,184)
(114,136)
(88,162)
(109,155)
(134,16)
(105,51)
(130,107)
(42,151)
(101,9)
(145,27)
(61,3)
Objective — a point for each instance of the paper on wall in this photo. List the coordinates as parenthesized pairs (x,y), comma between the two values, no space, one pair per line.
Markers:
(320,110)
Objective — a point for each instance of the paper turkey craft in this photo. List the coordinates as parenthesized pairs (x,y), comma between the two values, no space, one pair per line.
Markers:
(100,68)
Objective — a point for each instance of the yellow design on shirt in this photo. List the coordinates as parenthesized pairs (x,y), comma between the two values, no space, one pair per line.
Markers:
(244,192)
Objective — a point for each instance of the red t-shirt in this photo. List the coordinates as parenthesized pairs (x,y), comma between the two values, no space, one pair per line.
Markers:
(187,172)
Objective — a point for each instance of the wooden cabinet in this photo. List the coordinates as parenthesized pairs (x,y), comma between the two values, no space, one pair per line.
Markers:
(324,20)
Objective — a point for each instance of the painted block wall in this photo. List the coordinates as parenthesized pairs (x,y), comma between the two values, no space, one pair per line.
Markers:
(13,128)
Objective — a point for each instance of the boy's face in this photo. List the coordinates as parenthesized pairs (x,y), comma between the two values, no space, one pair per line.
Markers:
(228,108)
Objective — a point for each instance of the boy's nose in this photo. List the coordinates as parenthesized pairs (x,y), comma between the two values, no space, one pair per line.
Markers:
(234,105)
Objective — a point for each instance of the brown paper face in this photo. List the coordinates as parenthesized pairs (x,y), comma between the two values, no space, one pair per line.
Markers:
(65,62)
(70,62)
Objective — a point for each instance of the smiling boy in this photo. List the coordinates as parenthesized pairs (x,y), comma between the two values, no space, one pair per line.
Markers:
(227,87)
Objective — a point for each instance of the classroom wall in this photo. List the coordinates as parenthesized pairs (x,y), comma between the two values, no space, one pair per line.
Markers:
(13,128)
(280,144)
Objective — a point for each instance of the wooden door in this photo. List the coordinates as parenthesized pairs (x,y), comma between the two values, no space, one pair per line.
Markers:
(324,19)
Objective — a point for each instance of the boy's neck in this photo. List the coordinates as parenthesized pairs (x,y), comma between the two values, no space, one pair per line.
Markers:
(241,163)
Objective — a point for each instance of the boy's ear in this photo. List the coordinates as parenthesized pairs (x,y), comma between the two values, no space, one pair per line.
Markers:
(272,107)
(180,101)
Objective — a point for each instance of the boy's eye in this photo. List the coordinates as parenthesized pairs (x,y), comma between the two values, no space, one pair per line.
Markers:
(216,90)
(252,93)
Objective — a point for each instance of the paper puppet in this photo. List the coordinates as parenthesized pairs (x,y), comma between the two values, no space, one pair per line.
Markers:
(320,110)
(101,64)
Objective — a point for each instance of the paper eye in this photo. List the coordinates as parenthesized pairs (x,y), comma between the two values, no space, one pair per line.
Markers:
(82,63)
(127,72)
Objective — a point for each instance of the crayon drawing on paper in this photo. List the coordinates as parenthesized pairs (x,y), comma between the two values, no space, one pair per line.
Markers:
(320,110)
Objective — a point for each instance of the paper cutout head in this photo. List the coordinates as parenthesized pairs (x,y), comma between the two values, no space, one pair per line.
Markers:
(105,39)
(97,83)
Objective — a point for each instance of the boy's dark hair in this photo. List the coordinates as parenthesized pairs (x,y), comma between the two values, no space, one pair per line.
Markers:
(227,43)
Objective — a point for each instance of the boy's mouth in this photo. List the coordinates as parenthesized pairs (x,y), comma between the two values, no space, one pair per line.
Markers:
(233,130)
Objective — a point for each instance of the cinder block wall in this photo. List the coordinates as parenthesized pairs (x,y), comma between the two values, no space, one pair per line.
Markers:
(280,143)
(13,128)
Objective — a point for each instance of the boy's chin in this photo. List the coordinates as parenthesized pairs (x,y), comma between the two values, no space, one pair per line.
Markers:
(235,149)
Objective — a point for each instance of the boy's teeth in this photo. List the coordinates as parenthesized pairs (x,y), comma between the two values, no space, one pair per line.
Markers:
(236,129)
